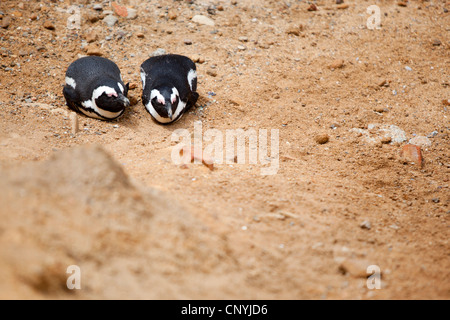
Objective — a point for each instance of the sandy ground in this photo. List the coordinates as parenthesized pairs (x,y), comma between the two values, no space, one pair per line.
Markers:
(140,226)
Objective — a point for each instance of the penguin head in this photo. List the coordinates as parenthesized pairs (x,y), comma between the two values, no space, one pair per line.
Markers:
(111,96)
(164,102)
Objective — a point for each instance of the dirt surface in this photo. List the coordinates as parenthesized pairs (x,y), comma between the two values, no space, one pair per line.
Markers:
(345,98)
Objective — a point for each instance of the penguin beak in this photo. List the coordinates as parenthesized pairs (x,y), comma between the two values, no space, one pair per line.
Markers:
(125,100)
(169,112)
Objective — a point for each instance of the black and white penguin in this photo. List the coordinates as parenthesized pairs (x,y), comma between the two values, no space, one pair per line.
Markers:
(169,86)
(94,87)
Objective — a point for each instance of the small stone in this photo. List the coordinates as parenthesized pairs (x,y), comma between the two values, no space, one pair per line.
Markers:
(322,138)
(312,7)
(355,267)
(436,200)
(159,52)
(407,68)
(446,102)
(172,14)
(49,25)
(365,225)
(412,153)
(17,14)
(241,48)
(121,11)
(91,37)
(140,35)
(133,86)
(342,6)
(293,30)
(386,140)
(339,1)
(93,50)
(402,3)
(211,72)
(383,83)
(420,141)
(110,20)
(198,59)
(98,7)
(243,39)
(379,109)
(187,42)
(33,16)
(337,64)
(132,13)
(93,18)
(437,42)
(203,20)
(21,6)
(133,100)
(6,22)
(23,53)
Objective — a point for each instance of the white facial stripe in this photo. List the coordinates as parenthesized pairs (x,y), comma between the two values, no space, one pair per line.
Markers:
(104,114)
(143,76)
(90,104)
(120,87)
(155,114)
(180,108)
(191,76)
(71,82)
(174,95)
(101,90)
(155,93)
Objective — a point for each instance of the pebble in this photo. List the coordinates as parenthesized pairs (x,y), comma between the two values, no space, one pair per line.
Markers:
(110,20)
(98,7)
(159,52)
(354,267)
(437,42)
(342,6)
(412,153)
(93,50)
(49,25)
(6,22)
(420,141)
(197,58)
(337,64)
(243,39)
(322,138)
(312,7)
(91,37)
(408,68)
(187,41)
(433,134)
(339,1)
(140,35)
(119,10)
(172,14)
(242,48)
(211,72)
(132,13)
(365,225)
(203,20)
(33,16)
(402,3)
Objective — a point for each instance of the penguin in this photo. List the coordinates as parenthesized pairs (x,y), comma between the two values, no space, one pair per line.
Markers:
(94,87)
(169,85)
